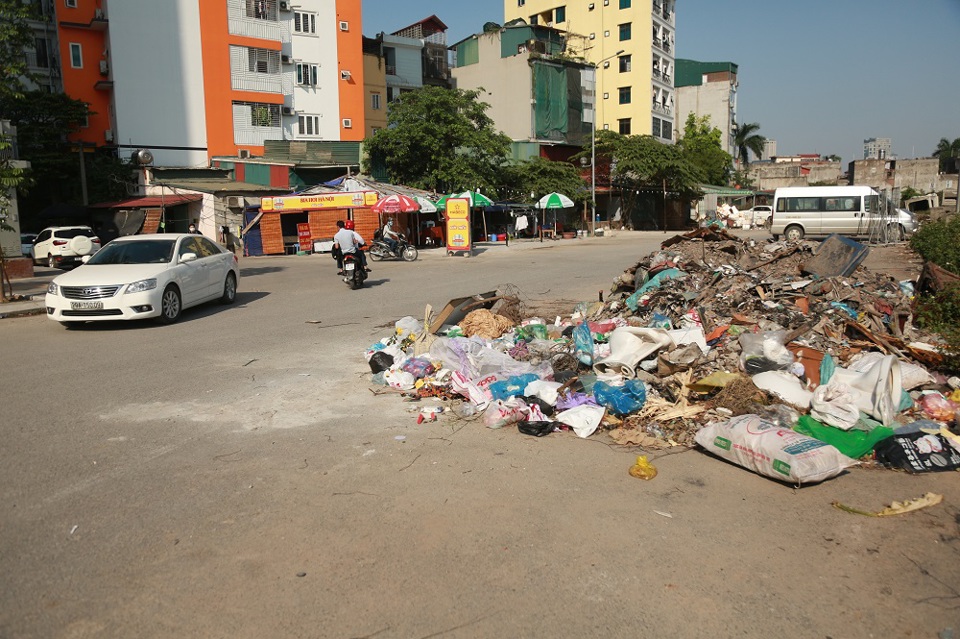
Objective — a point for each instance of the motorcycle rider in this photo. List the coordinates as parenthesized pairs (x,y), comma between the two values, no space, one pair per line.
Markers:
(390,237)
(349,241)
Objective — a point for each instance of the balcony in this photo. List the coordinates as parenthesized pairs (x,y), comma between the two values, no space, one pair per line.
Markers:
(98,23)
(391,69)
(253,81)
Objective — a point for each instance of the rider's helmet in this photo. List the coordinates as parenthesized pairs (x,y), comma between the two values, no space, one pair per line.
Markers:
(348,225)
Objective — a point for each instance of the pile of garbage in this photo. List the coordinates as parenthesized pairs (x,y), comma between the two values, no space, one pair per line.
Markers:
(790,359)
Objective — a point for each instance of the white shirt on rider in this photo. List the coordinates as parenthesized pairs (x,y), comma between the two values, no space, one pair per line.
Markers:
(348,240)
(389,233)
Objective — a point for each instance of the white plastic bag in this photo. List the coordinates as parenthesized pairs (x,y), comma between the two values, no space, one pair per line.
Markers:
(583,419)
(766,449)
(834,404)
(502,413)
(396,378)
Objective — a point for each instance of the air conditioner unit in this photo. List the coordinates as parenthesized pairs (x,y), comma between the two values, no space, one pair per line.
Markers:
(347,123)
(108,135)
(284,5)
(344,26)
(285,59)
(104,67)
(345,75)
(235,202)
(243,153)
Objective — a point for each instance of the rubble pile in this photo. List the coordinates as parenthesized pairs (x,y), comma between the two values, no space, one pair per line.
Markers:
(712,341)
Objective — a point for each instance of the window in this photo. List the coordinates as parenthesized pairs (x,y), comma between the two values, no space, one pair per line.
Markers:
(375,101)
(76,55)
(267,115)
(655,128)
(667,130)
(306,74)
(263,61)
(304,22)
(624,95)
(308,125)
(70,4)
(520,3)
(560,15)
(624,124)
(625,63)
(260,9)
(534,20)
(625,31)
(40,49)
(624,4)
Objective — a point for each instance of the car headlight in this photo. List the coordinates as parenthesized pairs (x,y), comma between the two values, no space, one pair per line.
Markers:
(53,289)
(141,286)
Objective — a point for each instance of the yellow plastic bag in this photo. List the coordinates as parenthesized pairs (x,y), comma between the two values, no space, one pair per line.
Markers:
(643,469)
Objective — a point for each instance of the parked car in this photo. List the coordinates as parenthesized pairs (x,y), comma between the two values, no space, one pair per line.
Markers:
(761,215)
(26,243)
(145,276)
(59,245)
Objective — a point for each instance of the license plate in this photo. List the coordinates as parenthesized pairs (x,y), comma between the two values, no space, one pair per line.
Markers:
(86,306)
(349,266)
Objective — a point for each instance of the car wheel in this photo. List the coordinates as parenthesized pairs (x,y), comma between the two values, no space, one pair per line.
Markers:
(793,233)
(377,253)
(170,306)
(71,325)
(51,261)
(410,253)
(229,289)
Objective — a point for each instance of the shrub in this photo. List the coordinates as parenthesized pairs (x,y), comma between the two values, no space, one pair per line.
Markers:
(940,312)
(939,242)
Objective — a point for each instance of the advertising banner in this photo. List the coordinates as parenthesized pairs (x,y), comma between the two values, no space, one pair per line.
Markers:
(458,224)
(347,200)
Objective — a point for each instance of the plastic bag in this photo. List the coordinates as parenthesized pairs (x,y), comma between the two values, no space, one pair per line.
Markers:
(408,327)
(936,406)
(918,452)
(583,342)
(536,429)
(834,405)
(531,332)
(419,367)
(380,361)
(512,386)
(769,450)
(642,469)
(503,413)
(852,443)
(768,346)
(399,379)
(584,419)
(621,400)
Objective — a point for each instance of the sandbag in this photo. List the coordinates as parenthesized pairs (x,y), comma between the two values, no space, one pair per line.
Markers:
(766,449)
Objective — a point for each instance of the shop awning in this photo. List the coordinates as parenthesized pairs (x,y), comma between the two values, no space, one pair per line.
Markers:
(725,191)
(150,201)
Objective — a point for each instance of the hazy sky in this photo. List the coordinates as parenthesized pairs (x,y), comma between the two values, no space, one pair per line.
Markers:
(819,76)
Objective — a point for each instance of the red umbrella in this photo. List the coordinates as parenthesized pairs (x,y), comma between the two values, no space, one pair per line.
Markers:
(396,203)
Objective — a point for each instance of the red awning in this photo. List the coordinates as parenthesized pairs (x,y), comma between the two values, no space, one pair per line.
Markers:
(150,201)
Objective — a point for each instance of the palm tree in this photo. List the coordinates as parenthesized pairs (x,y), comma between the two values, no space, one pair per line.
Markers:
(945,151)
(746,139)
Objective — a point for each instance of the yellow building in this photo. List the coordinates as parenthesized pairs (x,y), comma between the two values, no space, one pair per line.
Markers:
(374,86)
(634,73)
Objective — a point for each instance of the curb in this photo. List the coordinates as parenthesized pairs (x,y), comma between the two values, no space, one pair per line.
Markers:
(23,313)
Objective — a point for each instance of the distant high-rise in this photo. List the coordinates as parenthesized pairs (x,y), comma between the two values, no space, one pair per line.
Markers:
(769,149)
(876,148)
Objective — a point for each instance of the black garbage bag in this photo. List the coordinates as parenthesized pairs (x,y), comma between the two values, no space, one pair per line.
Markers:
(380,361)
(917,453)
(536,429)
(545,408)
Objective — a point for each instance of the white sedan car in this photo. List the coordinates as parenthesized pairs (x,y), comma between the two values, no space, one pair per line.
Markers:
(143,276)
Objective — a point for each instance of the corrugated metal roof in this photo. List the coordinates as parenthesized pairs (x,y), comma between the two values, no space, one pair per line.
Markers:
(689,73)
(149,201)
(313,152)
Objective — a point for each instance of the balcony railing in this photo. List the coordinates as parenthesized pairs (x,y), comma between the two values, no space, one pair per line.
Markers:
(391,69)
(263,82)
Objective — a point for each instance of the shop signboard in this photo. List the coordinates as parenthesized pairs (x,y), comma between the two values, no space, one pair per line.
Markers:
(458,225)
(303,236)
(291,203)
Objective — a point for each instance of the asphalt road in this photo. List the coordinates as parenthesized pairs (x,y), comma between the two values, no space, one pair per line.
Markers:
(232,476)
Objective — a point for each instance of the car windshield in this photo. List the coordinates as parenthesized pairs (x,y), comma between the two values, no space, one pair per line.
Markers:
(139,252)
(68,233)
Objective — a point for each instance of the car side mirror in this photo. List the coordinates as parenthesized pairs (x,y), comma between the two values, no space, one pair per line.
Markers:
(188,257)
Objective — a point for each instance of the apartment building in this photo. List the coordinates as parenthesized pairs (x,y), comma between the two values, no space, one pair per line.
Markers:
(43,57)
(635,73)
(709,89)
(194,79)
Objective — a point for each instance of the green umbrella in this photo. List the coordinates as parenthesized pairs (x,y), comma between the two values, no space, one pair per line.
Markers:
(476,199)
(554,201)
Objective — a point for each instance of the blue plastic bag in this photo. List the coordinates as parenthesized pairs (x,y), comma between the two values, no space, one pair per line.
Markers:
(512,386)
(583,342)
(621,400)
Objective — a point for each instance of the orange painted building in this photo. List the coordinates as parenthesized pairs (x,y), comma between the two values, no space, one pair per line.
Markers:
(194,79)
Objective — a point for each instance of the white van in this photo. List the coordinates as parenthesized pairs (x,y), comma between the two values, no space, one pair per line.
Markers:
(845,210)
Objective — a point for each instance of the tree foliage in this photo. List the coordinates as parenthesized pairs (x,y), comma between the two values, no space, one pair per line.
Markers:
(702,146)
(439,139)
(945,152)
(541,176)
(11,177)
(15,35)
(746,139)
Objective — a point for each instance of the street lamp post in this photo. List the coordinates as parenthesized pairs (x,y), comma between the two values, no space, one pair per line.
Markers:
(593,141)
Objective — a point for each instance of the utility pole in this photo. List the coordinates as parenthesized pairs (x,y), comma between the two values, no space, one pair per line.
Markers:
(83,177)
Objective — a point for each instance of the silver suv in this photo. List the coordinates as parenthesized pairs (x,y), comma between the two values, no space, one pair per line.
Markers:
(58,245)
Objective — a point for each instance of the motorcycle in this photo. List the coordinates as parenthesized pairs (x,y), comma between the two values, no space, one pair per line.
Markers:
(354,275)
(380,250)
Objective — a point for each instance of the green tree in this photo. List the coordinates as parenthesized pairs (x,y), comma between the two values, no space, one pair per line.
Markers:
(702,146)
(11,178)
(15,35)
(439,139)
(833,157)
(746,139)
(541,176)
(945,151)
